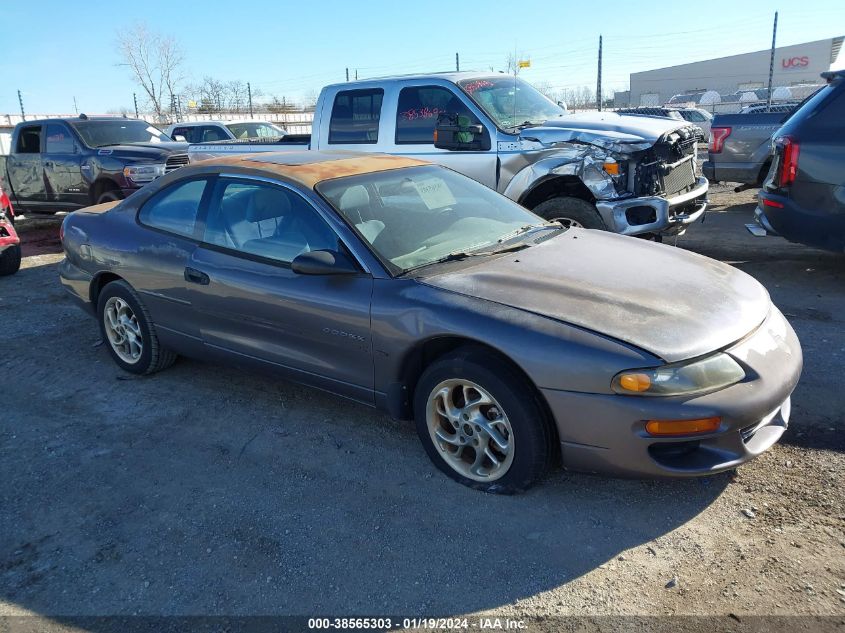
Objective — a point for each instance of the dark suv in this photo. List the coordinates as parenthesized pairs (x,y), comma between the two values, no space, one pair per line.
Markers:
(803,197)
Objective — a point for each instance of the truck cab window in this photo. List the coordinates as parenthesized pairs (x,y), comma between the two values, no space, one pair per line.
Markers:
(59,140)
(29,140)
(419,107)
(355,116)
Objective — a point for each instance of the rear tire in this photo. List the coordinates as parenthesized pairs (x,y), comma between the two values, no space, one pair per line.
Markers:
(481,422)
(571,212)
(127,330)
(10,260)
(110,195)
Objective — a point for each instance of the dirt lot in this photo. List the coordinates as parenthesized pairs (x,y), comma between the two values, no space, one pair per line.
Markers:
(208,491)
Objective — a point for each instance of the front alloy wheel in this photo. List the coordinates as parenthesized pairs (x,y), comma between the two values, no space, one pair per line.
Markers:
(470,429)
(481,421)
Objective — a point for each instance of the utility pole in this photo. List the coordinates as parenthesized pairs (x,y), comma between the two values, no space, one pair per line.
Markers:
(598,82)
(457,63)
(135,99)
(20,100)
(772,62)
(347,73)
(249,93)
(356,74)
(75,109)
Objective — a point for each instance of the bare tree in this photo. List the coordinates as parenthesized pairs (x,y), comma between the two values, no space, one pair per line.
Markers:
(512,63)
(236,95)
(547,89)
(155,62)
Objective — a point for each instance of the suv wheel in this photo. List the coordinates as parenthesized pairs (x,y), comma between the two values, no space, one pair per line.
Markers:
(481,423)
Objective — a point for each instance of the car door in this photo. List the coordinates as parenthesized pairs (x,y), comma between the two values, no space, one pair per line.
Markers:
(249,301)
(24,166)
(156,267)
(63,167)
(417,109)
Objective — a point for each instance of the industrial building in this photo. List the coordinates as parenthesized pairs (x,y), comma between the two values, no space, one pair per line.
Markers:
(733,78)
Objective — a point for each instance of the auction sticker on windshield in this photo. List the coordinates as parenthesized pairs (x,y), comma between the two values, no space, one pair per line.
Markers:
(434,192)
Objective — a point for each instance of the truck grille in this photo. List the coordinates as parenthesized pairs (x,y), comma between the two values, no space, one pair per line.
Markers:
(679,179)
(175,162)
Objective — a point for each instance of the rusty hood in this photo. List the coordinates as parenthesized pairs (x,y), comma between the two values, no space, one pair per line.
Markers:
(664,300)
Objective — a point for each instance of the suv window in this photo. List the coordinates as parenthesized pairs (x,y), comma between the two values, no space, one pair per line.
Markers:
(267,221)
(419,107)
(355,116)
(59,140)
(29,140)
(174,209)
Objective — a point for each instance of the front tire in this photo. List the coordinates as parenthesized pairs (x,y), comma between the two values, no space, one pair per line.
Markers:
(126,327)
(10,260)
(481,422)
(571,212)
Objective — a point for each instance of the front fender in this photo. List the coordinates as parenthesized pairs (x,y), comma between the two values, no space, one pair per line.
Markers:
(583,162)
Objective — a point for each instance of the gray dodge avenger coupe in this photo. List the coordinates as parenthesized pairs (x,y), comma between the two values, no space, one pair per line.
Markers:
(512,342)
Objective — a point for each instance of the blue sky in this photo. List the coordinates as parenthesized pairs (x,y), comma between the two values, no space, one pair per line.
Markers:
(286,49)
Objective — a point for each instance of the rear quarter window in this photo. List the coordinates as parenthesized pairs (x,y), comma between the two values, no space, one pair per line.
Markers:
(355,117)
(174,210)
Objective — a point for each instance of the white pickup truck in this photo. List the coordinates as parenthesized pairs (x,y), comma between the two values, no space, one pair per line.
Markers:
(628,174)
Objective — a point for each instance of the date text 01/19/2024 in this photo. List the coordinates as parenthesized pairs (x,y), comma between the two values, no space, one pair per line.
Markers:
(376,623)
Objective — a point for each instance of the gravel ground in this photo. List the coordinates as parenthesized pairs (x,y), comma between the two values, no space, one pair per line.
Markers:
(208,491)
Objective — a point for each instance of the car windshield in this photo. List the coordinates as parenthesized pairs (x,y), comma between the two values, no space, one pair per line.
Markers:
(511,102)
(103,133)
(416,216)
(255,130)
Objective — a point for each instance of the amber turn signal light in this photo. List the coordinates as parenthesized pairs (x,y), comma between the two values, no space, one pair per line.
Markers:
(612,168)
(682,427)
(635,382)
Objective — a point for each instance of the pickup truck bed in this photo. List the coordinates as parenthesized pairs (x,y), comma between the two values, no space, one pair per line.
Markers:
(745,153)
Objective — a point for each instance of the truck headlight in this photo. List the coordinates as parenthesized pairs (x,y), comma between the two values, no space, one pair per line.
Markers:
(707,374)
(144,172)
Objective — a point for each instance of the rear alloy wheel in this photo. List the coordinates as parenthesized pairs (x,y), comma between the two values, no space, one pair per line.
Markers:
(10,260)
(126,326)
(571,212)
(481,424)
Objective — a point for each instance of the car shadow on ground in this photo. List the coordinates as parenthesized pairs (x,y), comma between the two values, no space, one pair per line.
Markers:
(205,490)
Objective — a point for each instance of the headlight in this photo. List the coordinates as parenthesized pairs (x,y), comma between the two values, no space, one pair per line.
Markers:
(145,172)
(707,374)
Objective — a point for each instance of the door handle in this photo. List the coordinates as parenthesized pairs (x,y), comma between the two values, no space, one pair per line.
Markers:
(196,276)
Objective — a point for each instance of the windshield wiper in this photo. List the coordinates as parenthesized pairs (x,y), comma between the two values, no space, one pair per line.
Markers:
(527,228)
(457,256)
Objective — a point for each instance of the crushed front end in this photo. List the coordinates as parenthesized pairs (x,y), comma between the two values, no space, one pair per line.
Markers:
(664,190)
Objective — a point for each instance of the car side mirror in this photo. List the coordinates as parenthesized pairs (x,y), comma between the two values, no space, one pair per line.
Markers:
(324,263)
(456,132)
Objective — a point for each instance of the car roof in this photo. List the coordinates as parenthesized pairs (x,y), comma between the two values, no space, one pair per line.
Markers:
(218,122)
(76,119)
(310,167)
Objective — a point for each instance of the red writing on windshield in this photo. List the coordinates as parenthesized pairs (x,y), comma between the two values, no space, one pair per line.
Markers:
(475,85)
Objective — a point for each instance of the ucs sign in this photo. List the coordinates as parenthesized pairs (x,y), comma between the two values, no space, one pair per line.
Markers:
(795,62)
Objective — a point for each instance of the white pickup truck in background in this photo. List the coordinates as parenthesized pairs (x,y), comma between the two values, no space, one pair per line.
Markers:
(628,174)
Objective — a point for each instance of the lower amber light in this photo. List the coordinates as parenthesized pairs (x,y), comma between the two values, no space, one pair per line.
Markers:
(682,427)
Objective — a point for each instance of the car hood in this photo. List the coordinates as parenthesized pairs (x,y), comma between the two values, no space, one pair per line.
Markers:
(605,129)
(669,302)
(144,150)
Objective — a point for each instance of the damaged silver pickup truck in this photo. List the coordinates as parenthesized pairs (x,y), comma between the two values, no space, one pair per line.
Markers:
(628,174)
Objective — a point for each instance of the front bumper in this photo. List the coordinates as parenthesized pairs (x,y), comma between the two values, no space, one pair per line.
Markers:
(654,214)
(606,433)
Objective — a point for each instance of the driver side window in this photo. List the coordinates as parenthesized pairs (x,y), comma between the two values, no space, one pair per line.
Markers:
(265,221)
(418,109)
